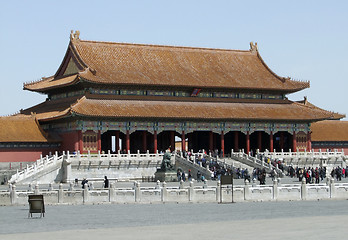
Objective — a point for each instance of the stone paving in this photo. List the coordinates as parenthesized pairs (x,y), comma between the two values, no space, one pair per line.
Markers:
(252,220)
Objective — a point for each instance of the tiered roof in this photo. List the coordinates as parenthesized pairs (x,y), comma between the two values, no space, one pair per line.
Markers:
(120,65)
(153,65)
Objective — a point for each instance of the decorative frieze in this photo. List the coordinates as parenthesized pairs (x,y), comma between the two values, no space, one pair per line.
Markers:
(188,127)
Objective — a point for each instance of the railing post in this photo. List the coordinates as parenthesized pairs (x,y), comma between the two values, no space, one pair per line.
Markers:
(181,184)
(246,190)
(137,192)
(164,192)
(332,188)
(13,195)
(303,189)
(37,191)
(112,192)
(85,193)
(60,193)
(218,191)
(191,192)
(275,189)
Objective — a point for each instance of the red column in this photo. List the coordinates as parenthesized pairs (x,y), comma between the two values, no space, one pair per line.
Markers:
(211,141)
(144,141)
(172,141)
(117,140)
(309,142)
(183,143)
(223,143)
(99,141)
(127,141)
(259,141)
(271,142)
(236,143)
(247,143)
(155,141)
(282,140)
(294,142)
(80,141)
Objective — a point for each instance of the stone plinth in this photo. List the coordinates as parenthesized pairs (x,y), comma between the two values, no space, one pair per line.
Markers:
(167,176)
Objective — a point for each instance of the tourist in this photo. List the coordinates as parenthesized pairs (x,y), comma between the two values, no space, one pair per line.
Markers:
(84,182)
(189,175)
(183,176)
(106,182)
(199,176)
(178,174)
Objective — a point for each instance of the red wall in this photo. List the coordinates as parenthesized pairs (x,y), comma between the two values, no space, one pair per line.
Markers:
(70,141)
(23,155)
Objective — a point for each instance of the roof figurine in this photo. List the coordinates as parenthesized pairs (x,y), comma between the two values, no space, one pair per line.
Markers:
(75,36)
(253,47)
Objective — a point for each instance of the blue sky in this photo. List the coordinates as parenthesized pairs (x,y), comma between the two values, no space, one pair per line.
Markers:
(306,40)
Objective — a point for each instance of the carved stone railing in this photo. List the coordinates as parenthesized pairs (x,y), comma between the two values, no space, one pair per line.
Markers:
(322,155)
(160,192)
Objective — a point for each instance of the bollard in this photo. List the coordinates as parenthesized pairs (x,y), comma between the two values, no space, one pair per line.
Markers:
(60,193)
(164,192)
(191,192)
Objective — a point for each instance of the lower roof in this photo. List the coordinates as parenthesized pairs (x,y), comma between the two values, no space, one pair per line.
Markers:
(185,110)
(21,128)
(330,131)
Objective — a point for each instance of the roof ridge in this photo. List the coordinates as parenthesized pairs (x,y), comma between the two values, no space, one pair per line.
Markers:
(163,46)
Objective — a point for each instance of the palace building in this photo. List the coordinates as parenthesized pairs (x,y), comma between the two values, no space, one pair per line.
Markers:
(119,96)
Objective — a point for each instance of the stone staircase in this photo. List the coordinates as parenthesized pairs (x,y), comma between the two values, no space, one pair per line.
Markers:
(186,165)
(48,167)
(253,162)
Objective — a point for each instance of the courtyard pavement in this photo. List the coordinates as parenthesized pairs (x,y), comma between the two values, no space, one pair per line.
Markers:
(251,220)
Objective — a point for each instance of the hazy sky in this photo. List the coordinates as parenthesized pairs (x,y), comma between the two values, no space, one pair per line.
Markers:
(306,40)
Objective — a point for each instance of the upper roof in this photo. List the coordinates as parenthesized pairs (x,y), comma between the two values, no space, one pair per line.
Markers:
(330,130)
(21,128)
(155,65)
(96,106)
